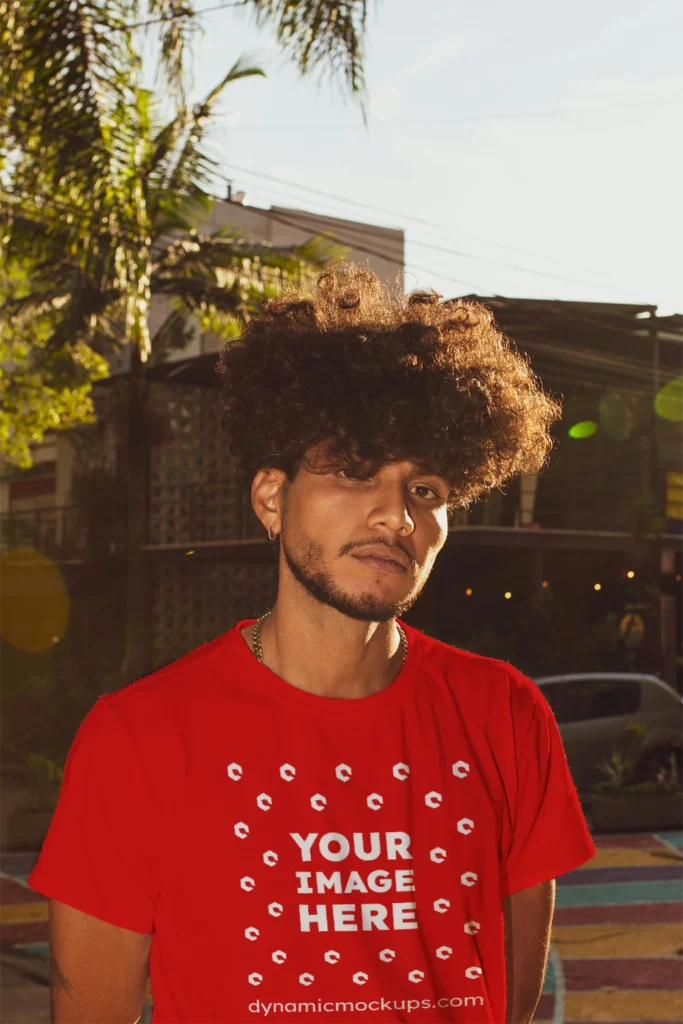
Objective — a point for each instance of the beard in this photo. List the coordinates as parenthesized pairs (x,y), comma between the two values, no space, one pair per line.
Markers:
(306,560)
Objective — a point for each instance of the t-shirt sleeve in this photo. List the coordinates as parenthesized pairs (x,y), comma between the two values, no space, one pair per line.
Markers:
(98,854)
(550,835)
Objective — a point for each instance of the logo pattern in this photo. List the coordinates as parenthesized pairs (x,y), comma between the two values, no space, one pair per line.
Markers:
(433,799)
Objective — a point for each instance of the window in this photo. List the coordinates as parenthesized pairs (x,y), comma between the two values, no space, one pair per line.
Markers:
(580,700)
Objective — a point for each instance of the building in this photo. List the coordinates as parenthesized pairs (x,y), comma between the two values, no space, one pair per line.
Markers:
(561,545)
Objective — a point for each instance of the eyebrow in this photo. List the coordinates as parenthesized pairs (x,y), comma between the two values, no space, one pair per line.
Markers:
(424,467)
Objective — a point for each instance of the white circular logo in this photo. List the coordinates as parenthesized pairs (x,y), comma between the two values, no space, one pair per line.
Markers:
(387,955)
(375,801)
(469,877)
(460,769)
(400,771)
(473,972)
(270,858)
(247,883)
(332,956)
(441,906)
(241,830)
(251,933)
(438,855)
(279,956)
(343,772)
(235,771)
(359,978)
(472,927)
(255,979)
(465,825)
(275,909)
(433,799)
(287,772)
(318,802)
(264,801)
(416,976)
(443,952)
(306,979)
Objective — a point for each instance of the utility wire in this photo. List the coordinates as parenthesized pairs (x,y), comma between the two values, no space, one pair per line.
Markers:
(372,252)
(184,14)
(465,117)
(408,217)
(630,368)
(567,315)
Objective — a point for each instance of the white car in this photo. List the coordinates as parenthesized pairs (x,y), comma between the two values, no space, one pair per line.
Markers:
(593,711)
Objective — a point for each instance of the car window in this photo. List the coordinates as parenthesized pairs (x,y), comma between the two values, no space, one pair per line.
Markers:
(580,700)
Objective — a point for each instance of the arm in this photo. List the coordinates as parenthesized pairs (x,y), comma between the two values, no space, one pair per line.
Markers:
(528,916)
(98,971)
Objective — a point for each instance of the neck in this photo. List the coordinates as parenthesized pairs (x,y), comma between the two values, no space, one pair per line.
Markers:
(316,648)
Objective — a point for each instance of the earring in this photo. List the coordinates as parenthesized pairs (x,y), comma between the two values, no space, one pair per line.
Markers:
(269,534)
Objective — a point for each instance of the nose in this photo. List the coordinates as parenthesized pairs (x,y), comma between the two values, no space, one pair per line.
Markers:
(391,510)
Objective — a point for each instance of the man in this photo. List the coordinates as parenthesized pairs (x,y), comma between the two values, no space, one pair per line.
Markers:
(324,814)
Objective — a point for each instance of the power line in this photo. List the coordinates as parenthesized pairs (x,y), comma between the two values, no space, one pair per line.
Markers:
(184,14)
(372,252)
(417,220)
(369,229)
(461,118)
(629,368)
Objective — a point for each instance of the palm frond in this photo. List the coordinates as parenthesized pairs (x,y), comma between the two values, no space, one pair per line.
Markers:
(68,65)
(178,171)
(178,28)
(174,335)
(225,273)
(320,35)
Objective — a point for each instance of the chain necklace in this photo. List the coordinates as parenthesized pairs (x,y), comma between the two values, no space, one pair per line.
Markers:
(258,649)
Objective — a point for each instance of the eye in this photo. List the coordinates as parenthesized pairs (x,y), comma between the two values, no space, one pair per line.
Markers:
(431,492)
(347,473)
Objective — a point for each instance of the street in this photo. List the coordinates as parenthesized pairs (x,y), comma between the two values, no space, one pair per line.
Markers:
(616,954)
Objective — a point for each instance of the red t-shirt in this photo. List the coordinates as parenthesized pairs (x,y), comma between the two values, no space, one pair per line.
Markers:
(302,858)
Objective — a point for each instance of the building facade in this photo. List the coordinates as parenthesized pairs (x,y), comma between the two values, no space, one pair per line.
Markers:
(571,570)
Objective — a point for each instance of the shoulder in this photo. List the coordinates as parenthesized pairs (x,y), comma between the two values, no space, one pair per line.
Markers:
(170,693)
(486,679)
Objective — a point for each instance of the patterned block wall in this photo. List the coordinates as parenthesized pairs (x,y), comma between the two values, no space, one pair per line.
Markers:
(194,493)
(196,601)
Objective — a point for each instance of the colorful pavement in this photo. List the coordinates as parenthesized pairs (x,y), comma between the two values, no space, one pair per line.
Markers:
(617,949)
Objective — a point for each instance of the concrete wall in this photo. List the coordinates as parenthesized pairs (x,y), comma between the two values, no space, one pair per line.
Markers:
(281,226)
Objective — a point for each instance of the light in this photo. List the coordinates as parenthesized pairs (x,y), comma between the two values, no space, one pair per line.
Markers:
(545,584)
(582,430)
(189,552)
(508,595)
(597,586)
(630,574)
(469,591)
(678,577)
(668,402)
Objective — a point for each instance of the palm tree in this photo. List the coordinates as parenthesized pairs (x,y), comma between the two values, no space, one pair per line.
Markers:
(102,203)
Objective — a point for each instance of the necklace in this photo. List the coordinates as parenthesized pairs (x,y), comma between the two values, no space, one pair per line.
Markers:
(258,649)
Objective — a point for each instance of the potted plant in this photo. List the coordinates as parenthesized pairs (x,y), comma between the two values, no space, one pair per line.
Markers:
(619,804)
(31,819)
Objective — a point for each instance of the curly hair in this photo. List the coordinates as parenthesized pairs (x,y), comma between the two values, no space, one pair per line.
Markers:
(376,377)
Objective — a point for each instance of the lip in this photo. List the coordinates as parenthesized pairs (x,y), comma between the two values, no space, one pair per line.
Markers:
(379,558)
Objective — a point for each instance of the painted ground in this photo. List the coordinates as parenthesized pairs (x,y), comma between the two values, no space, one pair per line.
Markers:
(617,949)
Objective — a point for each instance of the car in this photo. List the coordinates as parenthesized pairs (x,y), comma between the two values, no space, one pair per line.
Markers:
(594,709)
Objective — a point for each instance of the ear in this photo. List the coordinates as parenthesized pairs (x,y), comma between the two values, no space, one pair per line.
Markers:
(267,497)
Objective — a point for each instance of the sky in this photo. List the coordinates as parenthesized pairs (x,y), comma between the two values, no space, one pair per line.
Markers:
(527,148)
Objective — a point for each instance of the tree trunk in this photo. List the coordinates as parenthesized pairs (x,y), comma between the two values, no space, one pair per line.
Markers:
(134,465)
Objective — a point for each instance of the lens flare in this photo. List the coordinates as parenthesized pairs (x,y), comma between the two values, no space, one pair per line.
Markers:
(617,416)
(34,601)
(668,401)
(582,430)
